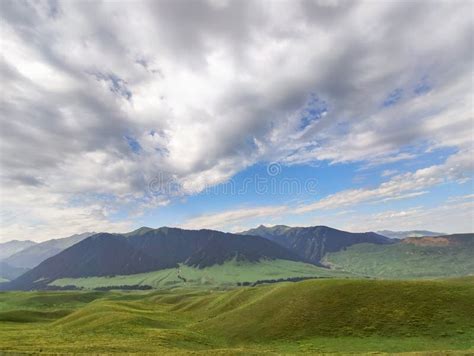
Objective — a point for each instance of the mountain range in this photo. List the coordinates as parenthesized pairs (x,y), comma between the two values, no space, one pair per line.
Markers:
(145,251)
(17,257)
(254,255)
(36,253)
(11,247)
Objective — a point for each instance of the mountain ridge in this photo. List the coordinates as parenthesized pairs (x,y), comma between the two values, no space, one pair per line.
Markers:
(314,242)
(11,247)
(115,254)
(37,253)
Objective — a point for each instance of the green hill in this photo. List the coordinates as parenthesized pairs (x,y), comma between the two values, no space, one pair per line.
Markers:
(314,316)
(417,257)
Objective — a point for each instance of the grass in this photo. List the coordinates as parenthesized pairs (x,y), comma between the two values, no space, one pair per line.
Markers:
(344,316)
(404,261)
(225,275)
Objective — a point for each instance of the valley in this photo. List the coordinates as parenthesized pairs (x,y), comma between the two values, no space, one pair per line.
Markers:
(278,290)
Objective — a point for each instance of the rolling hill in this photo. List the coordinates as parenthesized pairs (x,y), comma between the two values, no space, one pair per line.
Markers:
(114,254)
(313,243)
(309,317)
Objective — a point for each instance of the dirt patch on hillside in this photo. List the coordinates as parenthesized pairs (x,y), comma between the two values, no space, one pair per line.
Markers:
(429,241)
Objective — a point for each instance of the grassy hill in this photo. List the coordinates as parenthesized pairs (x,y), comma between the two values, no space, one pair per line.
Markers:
(312,316)
(217,276)
(415,258)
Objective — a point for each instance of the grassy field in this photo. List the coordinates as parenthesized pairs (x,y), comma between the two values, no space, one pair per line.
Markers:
(404,261)
(225,275)
(311,316)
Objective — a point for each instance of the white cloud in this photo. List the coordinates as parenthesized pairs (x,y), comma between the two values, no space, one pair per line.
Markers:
(233,220)
(205,89)
(402,186)
(456,168)
(460,216)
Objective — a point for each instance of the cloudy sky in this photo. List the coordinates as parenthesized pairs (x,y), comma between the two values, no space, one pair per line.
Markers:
(230,114)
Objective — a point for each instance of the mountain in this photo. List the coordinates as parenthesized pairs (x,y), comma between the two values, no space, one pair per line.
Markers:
(116,254)
(37,253)
(414,257)
(8,272)
(411,233)
(313,243)
(11,247)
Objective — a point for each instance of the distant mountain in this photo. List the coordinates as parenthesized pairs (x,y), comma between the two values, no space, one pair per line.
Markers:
(140,231)
(313,243)
(37,253)
(117,254)
(411,233)
(11,247)
(8,272)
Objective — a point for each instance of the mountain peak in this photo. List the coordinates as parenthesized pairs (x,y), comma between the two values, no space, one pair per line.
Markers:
(140,231)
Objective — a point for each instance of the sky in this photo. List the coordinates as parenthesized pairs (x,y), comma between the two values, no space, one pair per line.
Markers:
(230,114)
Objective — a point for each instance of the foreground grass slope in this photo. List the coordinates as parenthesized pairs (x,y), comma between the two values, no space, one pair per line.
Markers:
(310,316)
(226,275)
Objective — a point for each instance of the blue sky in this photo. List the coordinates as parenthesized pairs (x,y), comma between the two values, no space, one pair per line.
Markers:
(230,114)
(290,187)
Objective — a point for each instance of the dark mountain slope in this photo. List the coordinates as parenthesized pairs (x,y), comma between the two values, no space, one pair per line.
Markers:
(115,254)
(204,247)
(312,243)
(244,248)
(37,253)
(99,255)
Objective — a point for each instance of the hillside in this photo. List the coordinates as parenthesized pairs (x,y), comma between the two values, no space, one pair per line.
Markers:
(114,254)
(38,252)
(459,240)
(355,308)
(324,316)
(420,257)
(313,243)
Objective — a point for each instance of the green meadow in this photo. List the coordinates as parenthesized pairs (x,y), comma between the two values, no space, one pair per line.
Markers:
(313,316)
(226,275)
